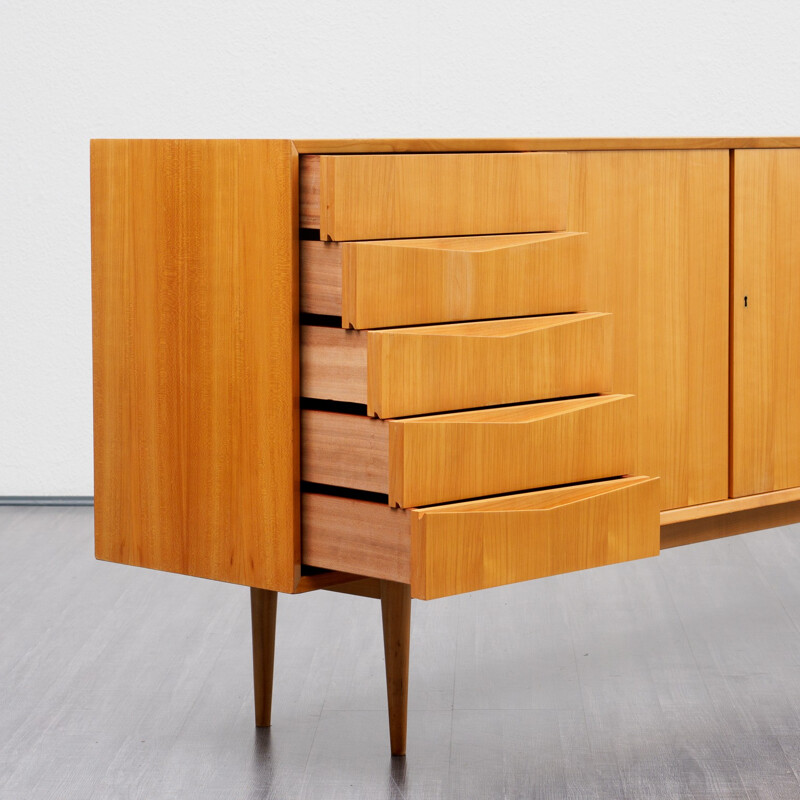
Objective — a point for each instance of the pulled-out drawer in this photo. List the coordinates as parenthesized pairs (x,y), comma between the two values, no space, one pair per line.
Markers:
(405,371)
(463,547)
(420,281)
(452,194)
(436,459)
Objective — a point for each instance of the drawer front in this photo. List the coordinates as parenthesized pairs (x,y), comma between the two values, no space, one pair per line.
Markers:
(475,454)
(421,281)
(405,371)
(470,365)
(463,547)
(401,196)
(426,460)
(484,543)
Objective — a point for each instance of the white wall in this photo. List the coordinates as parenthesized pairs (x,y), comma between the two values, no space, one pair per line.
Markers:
(71,70)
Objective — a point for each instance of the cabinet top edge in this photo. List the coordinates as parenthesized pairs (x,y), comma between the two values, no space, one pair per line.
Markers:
(352,146)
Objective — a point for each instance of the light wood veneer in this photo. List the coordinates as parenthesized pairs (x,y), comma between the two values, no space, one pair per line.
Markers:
(462,547)
(435,459)
(399,196)
(765,313)
(420,370)
(418,281)
(657,224)
(532,145)
(196,358)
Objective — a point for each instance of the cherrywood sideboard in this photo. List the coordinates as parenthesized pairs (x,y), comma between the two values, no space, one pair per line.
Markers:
(404,368)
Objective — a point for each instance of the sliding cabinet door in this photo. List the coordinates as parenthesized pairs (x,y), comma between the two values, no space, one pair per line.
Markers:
(657,239)
(765,313)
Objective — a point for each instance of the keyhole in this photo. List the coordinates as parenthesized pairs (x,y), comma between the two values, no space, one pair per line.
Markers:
(745,301)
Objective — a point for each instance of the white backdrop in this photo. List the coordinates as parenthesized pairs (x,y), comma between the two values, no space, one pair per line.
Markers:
(70,71)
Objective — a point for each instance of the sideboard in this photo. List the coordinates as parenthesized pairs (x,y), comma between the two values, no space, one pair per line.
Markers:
(415,368)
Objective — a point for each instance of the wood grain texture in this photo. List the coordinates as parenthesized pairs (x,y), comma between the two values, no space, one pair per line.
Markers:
(330,579)
(321,278)
(356,536)
(426,460)
(333,364)
(469,546)
(468,365)
(657,224)
(460,547)
(196,384)
(478,453)
(405,371)
(746,503)
(419,281)
(364,587)
(309,194)
(729,524)
(263,613)
(523,144)
(765,380)
(398,196)
(345,450)
(396,617)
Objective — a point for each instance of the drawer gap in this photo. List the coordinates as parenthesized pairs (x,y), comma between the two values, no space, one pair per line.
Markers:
(433,506)
(320,320)
(334,406)
(344,491)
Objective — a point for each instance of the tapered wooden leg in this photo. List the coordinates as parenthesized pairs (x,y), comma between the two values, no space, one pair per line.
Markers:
(396,612)
(263,610)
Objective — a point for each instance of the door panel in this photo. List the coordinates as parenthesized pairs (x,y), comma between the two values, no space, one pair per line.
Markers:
(765,403)
(657,228)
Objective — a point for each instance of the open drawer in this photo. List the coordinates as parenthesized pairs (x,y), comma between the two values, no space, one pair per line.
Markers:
(404,371)
(441,194)
(445,457)
(462,547)
(421,281)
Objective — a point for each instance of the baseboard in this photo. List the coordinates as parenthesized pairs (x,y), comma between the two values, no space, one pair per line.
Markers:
(76,500)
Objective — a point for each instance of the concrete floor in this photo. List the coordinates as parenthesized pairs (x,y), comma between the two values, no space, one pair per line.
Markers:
(676,677)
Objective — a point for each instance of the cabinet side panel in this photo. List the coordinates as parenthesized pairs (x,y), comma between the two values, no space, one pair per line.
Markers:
(765,398)
(657,225)
(196,365)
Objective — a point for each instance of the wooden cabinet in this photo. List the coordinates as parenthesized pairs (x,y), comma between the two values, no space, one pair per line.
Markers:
(399,368)
(765,312)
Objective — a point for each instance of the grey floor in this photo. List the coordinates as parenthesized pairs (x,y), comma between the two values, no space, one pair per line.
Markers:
(669,678)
